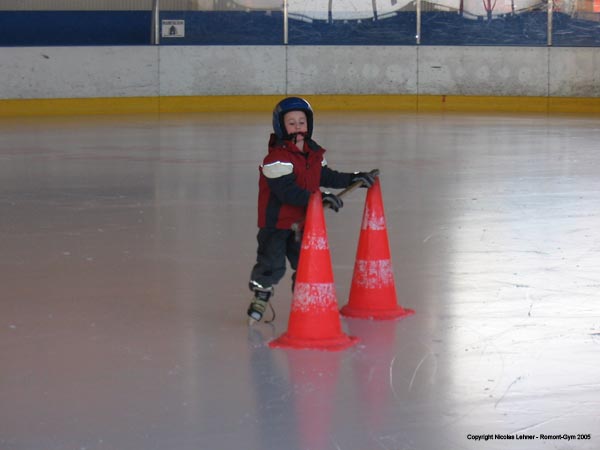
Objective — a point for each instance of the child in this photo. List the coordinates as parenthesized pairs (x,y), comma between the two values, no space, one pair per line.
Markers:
(294,168)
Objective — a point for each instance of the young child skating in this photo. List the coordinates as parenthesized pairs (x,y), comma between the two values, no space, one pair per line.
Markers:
(294,168)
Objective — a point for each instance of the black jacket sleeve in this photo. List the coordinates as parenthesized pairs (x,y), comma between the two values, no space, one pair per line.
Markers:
(287,191)
(333,179)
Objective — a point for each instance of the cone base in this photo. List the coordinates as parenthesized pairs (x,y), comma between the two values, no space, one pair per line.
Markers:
(332,344)
(376,314)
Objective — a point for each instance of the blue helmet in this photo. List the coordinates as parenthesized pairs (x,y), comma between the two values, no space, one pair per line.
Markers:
(285,106)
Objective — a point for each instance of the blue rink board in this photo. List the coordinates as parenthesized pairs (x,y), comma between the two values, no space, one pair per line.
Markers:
(55,28)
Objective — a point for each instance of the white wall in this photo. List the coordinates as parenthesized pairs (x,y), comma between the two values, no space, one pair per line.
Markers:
(494,71)
(574,72)
(216,70)
(352,70)
(78,72)
(149,71)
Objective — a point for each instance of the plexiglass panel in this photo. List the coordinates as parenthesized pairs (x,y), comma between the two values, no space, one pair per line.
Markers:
(352,22)
(484,22)
(75,22)
(222,28)
(576,23)
(307,22)
(220,22)
(77,28)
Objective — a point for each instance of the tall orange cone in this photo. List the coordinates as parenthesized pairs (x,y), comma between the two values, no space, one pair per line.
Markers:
(373,292)
(314,317)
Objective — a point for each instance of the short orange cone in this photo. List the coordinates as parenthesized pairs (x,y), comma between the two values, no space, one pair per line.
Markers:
(373,292)
(314,317)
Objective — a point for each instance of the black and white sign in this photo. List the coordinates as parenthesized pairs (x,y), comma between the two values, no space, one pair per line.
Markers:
(173,28)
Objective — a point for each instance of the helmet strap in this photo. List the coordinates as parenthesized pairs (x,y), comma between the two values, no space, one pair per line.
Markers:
(294,136)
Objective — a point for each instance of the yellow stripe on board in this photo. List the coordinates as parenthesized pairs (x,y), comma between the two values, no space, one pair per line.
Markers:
(574,105)
(362,102)
(218,103)
(242,103)
(453,103)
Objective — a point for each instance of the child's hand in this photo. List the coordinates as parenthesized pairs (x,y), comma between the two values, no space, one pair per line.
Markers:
(366,178)
(332,201)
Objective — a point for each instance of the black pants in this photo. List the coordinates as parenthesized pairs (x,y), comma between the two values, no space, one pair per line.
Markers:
(274,246)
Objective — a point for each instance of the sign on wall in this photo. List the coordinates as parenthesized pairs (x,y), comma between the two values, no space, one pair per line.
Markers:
(173,28)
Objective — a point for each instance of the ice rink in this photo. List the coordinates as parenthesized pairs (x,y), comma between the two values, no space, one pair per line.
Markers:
(126,244)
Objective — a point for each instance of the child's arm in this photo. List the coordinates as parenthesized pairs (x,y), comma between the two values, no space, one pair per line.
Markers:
(334,179)
(287,191)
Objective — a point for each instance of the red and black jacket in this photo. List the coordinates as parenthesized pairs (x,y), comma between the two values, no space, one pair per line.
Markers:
(288,176)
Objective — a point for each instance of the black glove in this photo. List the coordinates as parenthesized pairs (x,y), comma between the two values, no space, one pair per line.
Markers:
(366,178)
(331,201)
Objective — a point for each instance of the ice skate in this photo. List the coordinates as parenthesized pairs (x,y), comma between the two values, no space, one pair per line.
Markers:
(256,310)
(259,304)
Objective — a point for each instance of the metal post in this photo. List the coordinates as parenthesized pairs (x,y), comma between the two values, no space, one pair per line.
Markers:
(155,22)
(550,16)
(285,22)
(418,36)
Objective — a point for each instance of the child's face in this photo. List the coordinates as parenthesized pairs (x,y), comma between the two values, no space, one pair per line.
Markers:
(295,122)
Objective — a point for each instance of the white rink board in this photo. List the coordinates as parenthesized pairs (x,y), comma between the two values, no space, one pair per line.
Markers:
(352,70)
(488,71)
(149,71)
(78,72)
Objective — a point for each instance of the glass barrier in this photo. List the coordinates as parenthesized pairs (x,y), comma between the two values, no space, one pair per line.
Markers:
(484,22)
(223,22)
(75,22)
(352,22)
(576,23)
(300,22)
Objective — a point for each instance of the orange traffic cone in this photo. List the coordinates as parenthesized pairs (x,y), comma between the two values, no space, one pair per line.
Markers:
(314,317)
(373,292)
